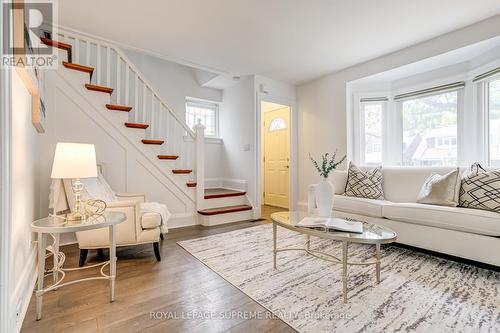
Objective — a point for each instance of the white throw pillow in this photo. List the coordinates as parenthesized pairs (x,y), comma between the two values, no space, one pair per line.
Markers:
(442,190)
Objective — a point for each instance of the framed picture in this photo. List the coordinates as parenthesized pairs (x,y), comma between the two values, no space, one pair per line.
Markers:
(32,77)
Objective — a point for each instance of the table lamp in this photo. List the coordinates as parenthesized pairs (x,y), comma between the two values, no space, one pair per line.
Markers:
(74,161)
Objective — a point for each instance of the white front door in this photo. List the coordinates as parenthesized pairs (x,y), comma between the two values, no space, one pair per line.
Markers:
(277,157)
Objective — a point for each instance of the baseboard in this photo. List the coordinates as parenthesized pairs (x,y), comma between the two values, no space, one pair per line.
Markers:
(182,220)
(233,184)
(24,291)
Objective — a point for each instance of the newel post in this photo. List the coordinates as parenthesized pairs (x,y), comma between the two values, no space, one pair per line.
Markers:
(199,130)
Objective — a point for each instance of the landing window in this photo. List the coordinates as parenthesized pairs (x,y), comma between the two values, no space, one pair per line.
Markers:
(207,112)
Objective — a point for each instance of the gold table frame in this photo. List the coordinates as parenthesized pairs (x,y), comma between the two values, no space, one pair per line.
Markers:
(283,220)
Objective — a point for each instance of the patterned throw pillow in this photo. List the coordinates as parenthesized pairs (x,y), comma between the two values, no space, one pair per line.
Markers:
(480,189)
(364,184)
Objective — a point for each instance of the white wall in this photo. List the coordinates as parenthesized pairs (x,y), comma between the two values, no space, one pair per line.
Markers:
(237,128)
(25,200)
(172,81)
(238,124)
(323,103)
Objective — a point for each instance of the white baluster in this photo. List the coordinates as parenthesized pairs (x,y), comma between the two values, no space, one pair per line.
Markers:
(127,84)
(108,66)
(153,123)
(144,111)
(87,54)
(98,66)
(136,98)
(118,78)
(76,55)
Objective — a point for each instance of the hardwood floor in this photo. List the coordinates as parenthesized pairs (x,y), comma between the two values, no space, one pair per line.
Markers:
(177,288)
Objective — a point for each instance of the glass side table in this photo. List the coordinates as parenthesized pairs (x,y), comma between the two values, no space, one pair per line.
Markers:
(55,226)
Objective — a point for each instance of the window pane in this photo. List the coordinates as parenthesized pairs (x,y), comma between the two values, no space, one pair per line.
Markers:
(372,115)
(277,124)
(494,114)
(206,112)
(430,130)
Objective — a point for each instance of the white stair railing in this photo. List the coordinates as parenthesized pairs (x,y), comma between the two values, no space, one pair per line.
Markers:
(113,69)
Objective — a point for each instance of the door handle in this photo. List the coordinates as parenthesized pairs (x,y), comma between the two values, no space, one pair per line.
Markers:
(288,167)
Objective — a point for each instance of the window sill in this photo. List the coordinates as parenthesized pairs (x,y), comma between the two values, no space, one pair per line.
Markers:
(213,140)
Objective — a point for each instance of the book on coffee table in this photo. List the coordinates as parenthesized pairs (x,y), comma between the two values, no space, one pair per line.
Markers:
(335,224)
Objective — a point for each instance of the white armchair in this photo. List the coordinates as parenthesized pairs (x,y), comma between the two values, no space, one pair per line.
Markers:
(140,227)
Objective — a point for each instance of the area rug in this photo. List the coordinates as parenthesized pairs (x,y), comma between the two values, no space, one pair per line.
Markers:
(417,293)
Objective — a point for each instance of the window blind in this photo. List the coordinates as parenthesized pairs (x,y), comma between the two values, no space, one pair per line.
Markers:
(486,75)
(430,91)
(374,99)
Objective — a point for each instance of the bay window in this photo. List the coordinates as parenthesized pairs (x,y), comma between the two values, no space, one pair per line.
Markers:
(494,122)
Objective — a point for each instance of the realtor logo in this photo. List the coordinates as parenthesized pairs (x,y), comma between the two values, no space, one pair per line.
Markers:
(23,25)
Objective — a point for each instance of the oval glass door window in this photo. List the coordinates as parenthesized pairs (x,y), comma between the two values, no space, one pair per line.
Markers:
(277,124)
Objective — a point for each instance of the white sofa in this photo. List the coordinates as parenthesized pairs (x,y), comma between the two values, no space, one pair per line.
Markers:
(468,233)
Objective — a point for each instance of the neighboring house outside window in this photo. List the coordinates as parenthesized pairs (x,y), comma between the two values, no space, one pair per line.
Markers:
(207,112)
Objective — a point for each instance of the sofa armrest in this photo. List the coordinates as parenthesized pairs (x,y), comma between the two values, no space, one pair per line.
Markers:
(141,197)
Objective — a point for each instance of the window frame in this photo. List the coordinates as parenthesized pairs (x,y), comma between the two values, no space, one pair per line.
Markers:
(485,86)
(206,104)
(460,134)
(361,135)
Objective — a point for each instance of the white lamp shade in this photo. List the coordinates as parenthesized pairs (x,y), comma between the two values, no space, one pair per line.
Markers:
(74,160)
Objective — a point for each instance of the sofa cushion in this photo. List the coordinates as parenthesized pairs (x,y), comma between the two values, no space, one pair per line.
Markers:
(150,220)
(442,190)
(364,184)
(480,189)
(454,218)
(362,206)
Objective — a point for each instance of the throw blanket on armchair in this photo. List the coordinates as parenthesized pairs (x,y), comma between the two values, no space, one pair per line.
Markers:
(156,207)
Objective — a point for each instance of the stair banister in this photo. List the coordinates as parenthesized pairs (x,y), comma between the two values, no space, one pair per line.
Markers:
(199,130)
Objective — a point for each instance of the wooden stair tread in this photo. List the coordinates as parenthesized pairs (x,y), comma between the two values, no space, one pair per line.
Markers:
(152,142)
(136,125)
(78,67)
(117,107)
(225,210)
(191,184)
(222,193)
(53,43)
(168,157)
(95,87)
(181,171)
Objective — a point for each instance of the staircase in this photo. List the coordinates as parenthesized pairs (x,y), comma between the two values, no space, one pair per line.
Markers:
(134,106)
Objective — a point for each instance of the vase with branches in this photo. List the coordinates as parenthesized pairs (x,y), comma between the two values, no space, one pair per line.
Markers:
(325,190)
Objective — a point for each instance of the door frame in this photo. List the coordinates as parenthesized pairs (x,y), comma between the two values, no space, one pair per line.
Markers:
(5,190)
(293,135)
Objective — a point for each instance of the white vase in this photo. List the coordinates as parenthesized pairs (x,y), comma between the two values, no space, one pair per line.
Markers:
(324,197)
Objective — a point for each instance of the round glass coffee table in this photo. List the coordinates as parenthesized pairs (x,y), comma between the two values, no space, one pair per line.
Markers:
(372,234)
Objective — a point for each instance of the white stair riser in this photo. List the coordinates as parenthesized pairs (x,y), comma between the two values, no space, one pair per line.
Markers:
(225,202)
(211,220)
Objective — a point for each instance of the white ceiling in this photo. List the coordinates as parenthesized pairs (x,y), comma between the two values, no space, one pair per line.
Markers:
(288,40)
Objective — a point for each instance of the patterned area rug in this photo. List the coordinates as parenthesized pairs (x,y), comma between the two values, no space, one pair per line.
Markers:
(417,293)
